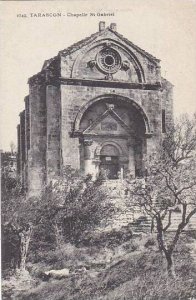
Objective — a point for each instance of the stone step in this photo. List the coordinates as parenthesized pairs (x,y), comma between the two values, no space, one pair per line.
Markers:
(126,214)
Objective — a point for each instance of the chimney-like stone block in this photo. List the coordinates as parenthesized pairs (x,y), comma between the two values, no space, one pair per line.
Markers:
(113,26)
(101,26)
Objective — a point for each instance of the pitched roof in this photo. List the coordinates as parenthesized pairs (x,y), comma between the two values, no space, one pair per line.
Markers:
(92,37)
(150,56)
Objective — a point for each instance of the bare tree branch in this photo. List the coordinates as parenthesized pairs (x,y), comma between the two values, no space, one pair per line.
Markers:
(169,222)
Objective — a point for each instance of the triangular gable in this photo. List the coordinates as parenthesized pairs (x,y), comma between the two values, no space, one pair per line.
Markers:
(94,36)
(108,122)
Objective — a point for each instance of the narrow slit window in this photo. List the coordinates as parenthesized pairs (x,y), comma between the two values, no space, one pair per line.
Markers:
(163,121)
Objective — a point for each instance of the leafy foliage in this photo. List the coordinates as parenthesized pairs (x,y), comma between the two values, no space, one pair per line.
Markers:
(69,206)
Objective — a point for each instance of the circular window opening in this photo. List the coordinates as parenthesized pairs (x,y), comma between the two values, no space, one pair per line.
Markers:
(109,60)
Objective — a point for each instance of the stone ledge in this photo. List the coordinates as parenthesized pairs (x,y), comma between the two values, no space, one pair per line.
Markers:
(113,84)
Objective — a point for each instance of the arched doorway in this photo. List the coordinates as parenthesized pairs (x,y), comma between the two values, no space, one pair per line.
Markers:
(109,161)
(112,136)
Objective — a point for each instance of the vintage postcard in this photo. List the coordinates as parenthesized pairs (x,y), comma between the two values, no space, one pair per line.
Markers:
(98,149)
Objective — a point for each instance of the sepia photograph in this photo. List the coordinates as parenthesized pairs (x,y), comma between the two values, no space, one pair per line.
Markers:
(98,150)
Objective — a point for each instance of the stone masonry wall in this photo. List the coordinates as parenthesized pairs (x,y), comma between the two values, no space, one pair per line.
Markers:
(53,131)
(18,149)
(27,127)
(37,153)
(22,147)
(74,97)
(167,102)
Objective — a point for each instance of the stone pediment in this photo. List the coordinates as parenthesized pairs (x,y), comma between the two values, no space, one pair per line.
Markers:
(105,55)
(111,33)
(108,123)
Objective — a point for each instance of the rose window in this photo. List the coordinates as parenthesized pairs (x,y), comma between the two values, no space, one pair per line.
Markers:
(108,60)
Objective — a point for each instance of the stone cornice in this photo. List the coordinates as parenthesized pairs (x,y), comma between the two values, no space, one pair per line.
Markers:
(50,77)
(117,135)
(81,135)
(109,84)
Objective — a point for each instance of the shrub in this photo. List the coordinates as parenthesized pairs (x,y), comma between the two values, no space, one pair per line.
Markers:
(150,242)
(108,239)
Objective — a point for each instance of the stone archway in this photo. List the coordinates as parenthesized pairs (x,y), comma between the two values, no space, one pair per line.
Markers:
(112,136)
(116,99)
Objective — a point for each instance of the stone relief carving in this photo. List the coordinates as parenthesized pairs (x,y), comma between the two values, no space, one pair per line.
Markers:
(109,126)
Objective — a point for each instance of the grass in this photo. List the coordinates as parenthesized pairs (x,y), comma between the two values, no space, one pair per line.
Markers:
(133,270)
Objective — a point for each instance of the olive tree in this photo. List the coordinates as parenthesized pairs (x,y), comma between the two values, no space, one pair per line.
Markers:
(170,186)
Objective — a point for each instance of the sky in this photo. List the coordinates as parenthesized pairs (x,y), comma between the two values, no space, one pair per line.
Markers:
(164,28)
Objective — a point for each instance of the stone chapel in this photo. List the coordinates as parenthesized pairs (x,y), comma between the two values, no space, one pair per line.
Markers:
(100,104)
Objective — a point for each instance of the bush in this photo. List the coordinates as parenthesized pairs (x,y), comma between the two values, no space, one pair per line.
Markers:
(150,242)
(153,286)
(108,239)
(131,246)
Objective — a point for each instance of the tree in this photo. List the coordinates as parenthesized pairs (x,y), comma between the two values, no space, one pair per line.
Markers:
(170,185)
(68,206)
(16,227)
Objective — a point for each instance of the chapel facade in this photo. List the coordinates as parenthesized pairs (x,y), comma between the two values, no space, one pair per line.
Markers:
(100,104)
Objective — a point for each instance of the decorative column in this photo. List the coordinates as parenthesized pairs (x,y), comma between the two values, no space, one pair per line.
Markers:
(96,163)
(88,158)
(150,145)
(121,173)
(131,156)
